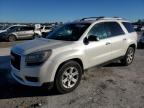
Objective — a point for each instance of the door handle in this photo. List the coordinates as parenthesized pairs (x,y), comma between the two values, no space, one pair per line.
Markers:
(107,43)
(124,39)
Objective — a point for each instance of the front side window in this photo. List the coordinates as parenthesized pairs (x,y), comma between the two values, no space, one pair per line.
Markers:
(12,28)
(69,32)
(16,29)
(99,30)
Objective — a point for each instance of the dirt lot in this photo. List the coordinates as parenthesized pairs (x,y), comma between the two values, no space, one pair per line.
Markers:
(4,44)
(111,86)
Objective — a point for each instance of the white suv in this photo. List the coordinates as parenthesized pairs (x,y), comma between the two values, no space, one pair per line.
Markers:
(61,58)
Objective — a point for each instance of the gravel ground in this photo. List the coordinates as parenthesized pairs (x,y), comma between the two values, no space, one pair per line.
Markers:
(111,86)
(9,44)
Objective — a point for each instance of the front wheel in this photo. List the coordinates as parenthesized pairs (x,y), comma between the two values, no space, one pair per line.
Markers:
(11,38)
(128,58)
(68,77)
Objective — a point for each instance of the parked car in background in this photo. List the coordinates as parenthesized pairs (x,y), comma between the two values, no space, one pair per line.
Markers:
(16,32)
(37,30)
(142,28)
(137,28)
(61,58)
(3,28)
(141,41)
(45,30)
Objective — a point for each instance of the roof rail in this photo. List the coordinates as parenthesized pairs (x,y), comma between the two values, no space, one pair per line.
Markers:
(96,18)
(101,18)
(109,18)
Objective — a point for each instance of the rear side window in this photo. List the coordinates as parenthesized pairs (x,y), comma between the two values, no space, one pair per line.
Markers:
(48,27)
(129,27)
(115,29)
(27,28)
(106,29)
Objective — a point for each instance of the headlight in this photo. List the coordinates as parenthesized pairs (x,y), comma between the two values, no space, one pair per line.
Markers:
(2,35)
(37,58)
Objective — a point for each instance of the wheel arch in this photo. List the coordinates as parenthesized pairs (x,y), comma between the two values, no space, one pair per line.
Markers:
(78,60)
(12,34)
(133,46)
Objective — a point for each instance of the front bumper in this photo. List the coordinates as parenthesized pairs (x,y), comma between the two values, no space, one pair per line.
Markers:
(21,78)
(32,75)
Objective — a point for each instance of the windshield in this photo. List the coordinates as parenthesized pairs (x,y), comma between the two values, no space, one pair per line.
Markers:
(69,32)
(11,28)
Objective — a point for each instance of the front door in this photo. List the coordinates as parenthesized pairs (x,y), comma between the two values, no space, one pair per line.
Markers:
(98,52)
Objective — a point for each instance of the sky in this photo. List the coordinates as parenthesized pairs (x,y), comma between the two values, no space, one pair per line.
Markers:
(68,10)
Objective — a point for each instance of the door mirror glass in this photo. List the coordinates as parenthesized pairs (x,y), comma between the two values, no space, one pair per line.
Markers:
(93,38)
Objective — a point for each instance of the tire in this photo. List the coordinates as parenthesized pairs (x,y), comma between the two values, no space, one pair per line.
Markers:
(36,36)
(44,35)
(11,38)
(129,56)
(141,45)
(68,77)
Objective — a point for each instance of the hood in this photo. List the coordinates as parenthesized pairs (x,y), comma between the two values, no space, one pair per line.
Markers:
(2,31)
(38,45)
(3,34)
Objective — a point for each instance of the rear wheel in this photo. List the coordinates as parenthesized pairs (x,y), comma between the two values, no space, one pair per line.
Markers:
(68,77)
(11,38)
(128,59)
(44,34)
(36,36)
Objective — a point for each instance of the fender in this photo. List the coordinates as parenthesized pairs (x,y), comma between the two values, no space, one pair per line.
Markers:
(14,34)
(7,35)
(61,58)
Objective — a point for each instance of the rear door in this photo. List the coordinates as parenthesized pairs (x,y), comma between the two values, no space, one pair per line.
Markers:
(30,32)
(26,32)
(118,38)
(131,36)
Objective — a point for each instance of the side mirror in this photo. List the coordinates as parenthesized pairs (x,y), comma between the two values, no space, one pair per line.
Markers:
(93,38)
